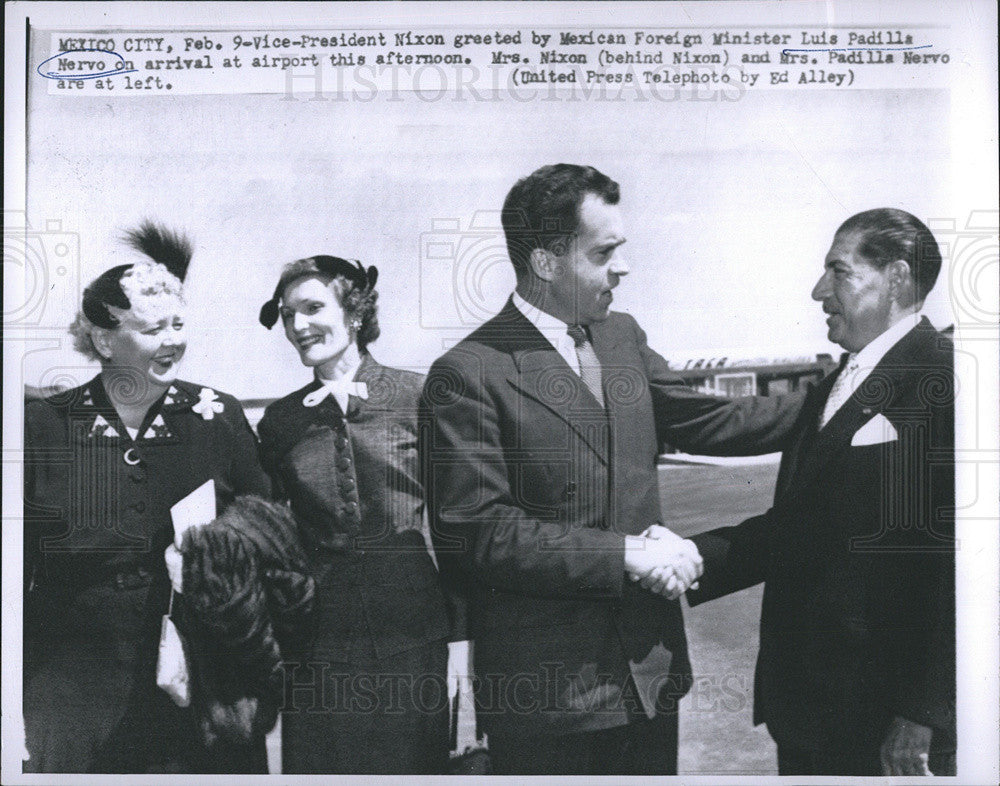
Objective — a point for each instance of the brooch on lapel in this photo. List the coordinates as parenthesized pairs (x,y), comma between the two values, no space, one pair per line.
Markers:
(208,405)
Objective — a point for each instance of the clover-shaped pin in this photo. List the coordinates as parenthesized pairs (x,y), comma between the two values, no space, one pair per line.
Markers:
(208,404)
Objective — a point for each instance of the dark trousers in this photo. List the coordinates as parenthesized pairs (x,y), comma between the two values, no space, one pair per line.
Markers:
(796,761)
(641,747)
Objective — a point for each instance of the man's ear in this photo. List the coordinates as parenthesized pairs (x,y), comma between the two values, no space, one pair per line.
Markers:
(101,339)
(901,284)
(543,264)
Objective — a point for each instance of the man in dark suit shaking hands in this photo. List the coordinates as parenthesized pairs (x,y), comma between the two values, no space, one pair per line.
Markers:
(539,443)
(856,671)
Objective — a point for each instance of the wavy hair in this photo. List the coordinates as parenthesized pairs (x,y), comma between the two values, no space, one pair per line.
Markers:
(139,283)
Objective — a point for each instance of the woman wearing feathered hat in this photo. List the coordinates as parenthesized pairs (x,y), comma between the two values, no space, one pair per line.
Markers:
(104,464)
(368,692)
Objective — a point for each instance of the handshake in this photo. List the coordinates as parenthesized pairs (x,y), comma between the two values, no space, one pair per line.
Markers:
(663,562)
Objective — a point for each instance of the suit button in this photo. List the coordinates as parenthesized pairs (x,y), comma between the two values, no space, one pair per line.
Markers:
(351,507)
(347,483)
(344,463)
(139,507)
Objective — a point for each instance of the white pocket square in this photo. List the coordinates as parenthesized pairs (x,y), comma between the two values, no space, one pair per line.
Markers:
(875,432)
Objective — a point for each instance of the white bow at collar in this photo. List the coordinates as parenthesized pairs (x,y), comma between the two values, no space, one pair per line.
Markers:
(340,389)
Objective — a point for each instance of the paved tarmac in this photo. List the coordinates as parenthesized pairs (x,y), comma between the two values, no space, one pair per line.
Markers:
(716,732)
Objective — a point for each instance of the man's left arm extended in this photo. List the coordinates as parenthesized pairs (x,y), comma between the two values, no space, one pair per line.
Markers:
(715,425)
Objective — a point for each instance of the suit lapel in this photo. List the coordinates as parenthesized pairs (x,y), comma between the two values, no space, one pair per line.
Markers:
(382,389)
(543,376)
(873,397)
(833,438)
(297,419)
(799,452)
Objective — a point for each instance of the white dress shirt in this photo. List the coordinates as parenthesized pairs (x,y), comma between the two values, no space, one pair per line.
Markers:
(866,359)
(553,329)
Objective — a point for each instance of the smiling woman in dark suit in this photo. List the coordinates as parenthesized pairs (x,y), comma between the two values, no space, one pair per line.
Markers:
(368,694)
(104,463)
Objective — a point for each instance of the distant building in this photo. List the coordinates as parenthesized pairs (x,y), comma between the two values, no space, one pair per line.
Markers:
(32,392)
(756,376)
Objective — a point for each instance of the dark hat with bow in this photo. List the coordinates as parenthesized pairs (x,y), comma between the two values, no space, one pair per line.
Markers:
(171,249)
(360,277)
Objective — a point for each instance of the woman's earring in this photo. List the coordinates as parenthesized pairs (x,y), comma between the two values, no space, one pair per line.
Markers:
(355,325)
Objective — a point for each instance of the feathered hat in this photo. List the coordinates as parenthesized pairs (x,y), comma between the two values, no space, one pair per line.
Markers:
(171,249)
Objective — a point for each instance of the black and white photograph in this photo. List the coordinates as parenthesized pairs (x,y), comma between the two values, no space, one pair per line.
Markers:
(501,389)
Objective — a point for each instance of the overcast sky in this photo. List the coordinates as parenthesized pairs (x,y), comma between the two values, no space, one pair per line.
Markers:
(730,208)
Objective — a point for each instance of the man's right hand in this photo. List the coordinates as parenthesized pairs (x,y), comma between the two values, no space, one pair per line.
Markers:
(662,562)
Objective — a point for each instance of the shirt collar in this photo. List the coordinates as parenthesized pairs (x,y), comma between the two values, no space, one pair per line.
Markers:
(870,355)
(341,388)
(549,326)
(553,329)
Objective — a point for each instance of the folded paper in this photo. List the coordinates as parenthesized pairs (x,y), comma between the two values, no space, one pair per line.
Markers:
(195,509)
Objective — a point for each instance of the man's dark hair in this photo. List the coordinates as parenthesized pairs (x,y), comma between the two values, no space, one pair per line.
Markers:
(542,210)
(888,234)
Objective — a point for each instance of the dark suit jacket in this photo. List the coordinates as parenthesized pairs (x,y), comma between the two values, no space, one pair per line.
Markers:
(857,556)
(96,523)
(532,490)
(354,489)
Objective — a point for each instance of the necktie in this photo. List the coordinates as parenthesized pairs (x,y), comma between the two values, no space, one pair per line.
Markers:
(842,389)
(590,366)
